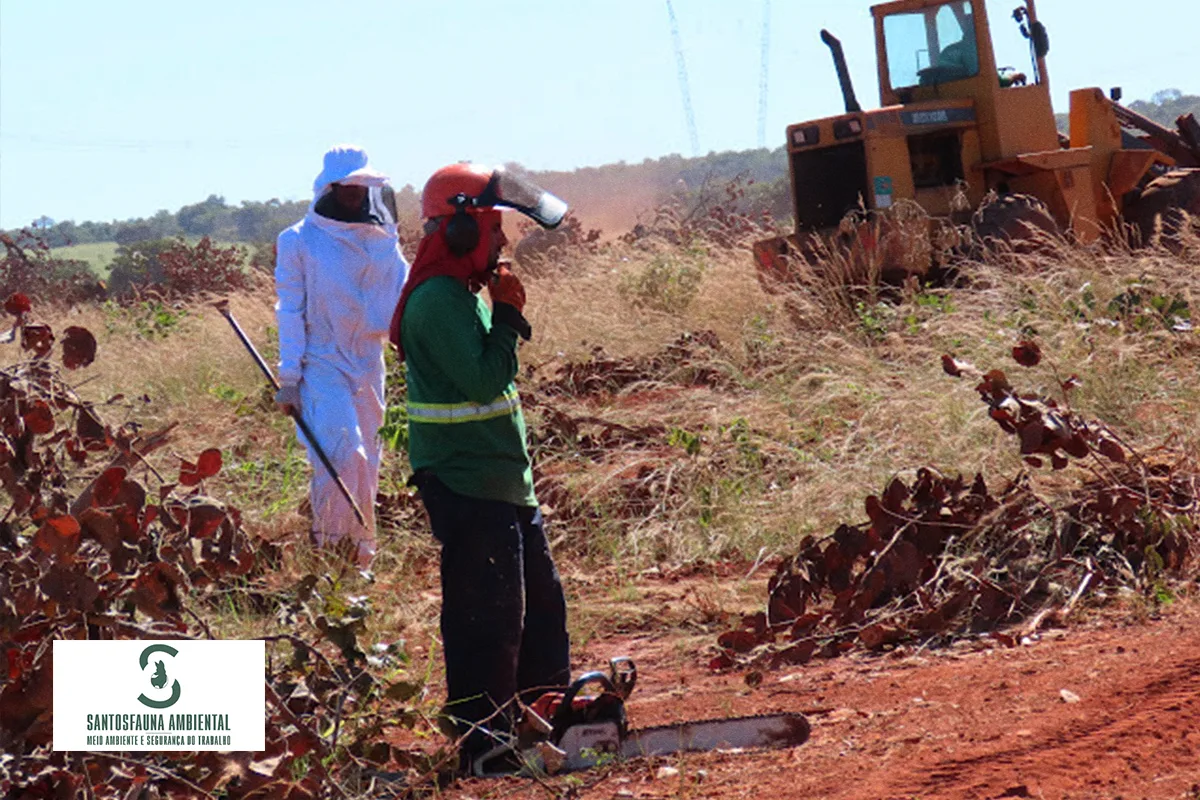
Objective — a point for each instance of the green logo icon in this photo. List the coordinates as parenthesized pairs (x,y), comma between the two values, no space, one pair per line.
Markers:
(159,679)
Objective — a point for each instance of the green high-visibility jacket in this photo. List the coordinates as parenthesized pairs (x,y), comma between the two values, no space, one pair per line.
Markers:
(464,415)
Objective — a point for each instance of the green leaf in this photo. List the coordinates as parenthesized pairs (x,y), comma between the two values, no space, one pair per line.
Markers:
(690,442)
(403,691)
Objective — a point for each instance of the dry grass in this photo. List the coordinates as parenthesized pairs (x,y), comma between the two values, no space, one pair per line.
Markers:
(185,358)
(822,397)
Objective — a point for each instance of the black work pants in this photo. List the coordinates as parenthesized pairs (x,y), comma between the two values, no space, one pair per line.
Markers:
(504,616)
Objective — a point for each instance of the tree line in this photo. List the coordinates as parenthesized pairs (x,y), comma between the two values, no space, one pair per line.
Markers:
(254,222)
(248,222)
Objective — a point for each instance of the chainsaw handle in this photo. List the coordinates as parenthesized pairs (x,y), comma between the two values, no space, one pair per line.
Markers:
(562,715)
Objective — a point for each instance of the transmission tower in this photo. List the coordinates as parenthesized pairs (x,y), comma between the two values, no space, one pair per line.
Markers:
(683,82)
(762,79)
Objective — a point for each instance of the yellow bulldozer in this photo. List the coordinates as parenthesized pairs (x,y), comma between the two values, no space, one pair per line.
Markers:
(976,147)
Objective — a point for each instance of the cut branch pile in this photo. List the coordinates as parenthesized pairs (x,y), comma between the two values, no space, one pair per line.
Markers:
(945,557)
(688,361)
(640,459)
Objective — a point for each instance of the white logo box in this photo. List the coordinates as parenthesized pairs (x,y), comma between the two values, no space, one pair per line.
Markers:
(218,686)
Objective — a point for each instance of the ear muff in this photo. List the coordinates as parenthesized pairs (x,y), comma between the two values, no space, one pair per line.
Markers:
(462,231)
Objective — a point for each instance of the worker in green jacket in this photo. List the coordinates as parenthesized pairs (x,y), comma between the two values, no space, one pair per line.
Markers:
(503,619)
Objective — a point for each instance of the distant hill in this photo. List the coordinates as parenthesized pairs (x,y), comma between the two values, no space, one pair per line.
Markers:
(612,197)
(1166,106)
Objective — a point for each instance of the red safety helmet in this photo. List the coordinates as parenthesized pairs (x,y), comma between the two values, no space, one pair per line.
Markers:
(470,180)
(468,186)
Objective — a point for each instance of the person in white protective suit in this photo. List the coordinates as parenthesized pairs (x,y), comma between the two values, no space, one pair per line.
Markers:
(338,276)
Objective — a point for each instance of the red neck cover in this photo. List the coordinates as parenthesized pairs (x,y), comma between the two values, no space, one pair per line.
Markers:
(434,258)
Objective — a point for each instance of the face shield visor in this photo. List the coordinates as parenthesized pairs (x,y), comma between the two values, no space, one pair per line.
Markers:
(380,202)
(506,190)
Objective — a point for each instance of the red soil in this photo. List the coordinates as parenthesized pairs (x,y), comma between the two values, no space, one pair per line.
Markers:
(973,721)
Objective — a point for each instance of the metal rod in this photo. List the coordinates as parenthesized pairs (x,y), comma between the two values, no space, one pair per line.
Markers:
(294,413)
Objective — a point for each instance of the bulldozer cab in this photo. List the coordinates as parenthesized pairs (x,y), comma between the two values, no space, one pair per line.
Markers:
(930,50)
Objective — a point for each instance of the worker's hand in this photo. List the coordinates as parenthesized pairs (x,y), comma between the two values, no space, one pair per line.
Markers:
(287,398)
(505,287)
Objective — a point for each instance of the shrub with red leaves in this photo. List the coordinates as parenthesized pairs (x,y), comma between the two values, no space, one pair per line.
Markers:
(28,269)
(173,268)
(203,267)
(539,246)
(1043,426)
(119,561)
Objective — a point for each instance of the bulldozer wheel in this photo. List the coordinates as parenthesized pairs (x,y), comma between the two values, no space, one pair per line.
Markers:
(1017,221)
(1165,199)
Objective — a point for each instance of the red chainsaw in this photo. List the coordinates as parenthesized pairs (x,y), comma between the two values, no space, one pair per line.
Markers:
(585,725)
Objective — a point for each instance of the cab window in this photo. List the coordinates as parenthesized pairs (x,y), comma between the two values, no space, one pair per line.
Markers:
(932,46)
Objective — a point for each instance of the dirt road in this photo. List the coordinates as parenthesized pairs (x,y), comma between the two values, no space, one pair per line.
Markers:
(1110,709)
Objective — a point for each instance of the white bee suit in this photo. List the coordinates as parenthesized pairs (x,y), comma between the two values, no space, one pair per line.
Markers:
(337,285)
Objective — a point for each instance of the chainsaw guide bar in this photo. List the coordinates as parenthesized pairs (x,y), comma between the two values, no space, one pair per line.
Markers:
(596,744)
(572,731)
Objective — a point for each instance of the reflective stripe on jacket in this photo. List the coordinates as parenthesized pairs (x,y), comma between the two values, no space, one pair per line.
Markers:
(451,413)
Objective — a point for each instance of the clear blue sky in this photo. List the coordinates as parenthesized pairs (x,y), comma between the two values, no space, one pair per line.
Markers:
(116,109)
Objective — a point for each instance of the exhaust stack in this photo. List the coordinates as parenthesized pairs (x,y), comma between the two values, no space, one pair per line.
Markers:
(843,74)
